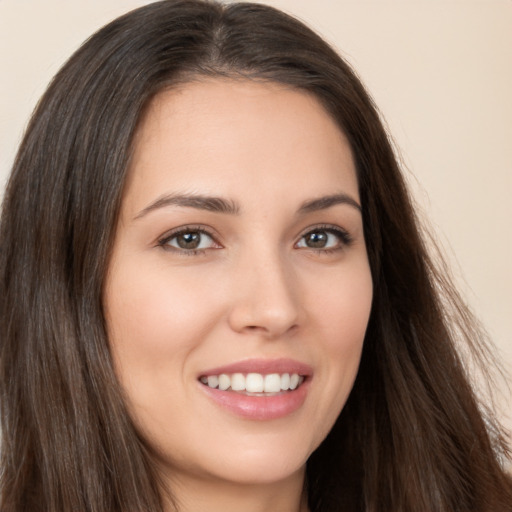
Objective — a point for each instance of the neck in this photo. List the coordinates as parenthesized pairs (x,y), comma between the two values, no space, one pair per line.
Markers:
(191,493)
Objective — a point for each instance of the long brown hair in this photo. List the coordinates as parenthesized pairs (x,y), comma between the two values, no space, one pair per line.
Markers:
(411,437)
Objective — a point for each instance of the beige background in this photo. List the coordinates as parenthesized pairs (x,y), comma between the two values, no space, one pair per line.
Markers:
(440,71)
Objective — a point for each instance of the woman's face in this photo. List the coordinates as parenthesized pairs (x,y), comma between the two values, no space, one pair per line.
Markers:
(239,262)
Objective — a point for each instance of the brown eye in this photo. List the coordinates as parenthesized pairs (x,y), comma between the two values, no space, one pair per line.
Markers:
(324,239)
(190,240)
(316,239)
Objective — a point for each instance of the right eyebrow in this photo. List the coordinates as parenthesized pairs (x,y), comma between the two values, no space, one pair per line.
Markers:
(200,202)
(325,202)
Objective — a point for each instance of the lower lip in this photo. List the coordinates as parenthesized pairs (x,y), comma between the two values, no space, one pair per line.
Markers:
(262,408)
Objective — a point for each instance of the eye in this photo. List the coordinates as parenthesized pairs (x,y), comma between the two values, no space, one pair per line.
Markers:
(324,238)
(189,240)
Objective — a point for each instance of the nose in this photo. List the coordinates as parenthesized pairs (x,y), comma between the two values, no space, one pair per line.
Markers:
(265,299)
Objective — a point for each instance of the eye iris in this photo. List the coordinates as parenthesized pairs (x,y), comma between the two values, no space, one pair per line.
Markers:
(317,239)
(189,240)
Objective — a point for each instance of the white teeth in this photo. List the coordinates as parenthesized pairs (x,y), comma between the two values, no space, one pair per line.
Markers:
(238,382)
(272,383)
(224,382)
(213,381)
(285,381)
(254,382)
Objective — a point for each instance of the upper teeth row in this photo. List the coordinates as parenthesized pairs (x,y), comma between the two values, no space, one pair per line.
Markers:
(254,382)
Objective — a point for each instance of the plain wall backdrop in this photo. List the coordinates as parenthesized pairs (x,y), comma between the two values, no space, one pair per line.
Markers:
(440,72)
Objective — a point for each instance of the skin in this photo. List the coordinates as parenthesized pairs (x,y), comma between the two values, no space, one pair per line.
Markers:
(256,288)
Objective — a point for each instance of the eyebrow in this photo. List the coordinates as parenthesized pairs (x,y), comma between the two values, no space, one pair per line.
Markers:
(220,205)
(322,203)
(208,203)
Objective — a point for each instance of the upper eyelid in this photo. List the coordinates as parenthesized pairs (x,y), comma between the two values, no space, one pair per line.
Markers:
(345,237)
(207,230)
(212,233)
(325,227)
(163,241)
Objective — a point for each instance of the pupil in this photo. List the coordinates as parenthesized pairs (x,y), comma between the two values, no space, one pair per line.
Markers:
(189,240)
(317,240)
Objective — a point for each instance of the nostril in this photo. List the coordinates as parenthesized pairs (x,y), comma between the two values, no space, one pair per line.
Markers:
(271,316)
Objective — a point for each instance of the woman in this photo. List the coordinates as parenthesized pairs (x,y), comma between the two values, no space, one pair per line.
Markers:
(214,291)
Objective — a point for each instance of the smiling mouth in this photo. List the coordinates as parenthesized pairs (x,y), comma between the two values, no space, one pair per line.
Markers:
(254,384)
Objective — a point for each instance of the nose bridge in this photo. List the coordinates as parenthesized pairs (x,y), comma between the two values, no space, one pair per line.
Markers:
(265,299)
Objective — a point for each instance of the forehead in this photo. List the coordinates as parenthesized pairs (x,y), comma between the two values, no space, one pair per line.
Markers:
(234,136)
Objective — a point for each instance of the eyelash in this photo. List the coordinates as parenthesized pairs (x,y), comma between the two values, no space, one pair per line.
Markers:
(163,242)
(343,236)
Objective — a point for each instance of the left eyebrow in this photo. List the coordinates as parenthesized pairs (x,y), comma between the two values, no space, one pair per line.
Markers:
(322,203)
(199,202)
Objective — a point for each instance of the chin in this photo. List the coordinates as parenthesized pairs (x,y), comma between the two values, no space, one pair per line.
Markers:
(262,468)
(261,464)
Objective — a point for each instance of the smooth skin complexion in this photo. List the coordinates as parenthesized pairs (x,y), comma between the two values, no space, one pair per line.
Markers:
(239,250)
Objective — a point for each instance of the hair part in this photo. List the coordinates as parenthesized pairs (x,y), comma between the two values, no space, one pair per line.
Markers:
(411,436)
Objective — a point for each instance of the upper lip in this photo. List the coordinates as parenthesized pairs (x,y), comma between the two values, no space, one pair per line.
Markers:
(263,366)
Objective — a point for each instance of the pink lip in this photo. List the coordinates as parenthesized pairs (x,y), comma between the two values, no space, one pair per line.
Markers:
(263,366)
(261,407)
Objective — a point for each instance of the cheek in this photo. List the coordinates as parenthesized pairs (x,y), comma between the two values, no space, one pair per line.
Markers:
(342,314)
(147,311)
(343,309)
(154,324)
